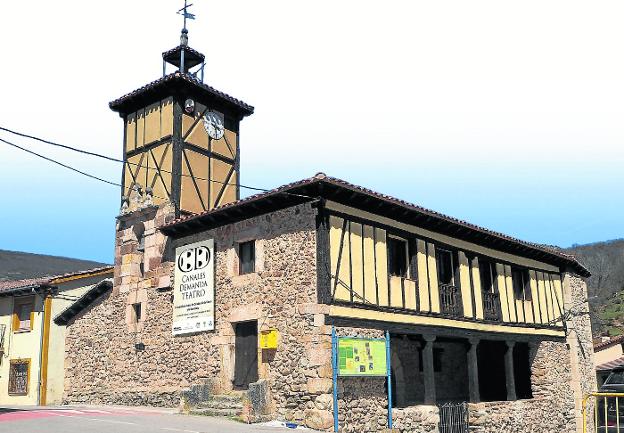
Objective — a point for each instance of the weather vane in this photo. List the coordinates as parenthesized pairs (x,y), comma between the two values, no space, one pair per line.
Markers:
(186,14)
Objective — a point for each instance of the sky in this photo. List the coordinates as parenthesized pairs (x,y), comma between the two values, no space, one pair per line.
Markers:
(506,114)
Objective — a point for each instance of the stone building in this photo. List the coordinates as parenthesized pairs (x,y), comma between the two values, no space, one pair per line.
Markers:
(202,277)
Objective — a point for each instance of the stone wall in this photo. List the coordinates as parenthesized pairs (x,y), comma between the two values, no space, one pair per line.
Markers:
(103,365)
(550,410)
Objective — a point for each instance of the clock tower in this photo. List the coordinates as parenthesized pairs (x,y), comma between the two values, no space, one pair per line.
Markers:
(181,136)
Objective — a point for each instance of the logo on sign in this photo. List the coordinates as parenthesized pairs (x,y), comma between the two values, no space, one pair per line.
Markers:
(194,259)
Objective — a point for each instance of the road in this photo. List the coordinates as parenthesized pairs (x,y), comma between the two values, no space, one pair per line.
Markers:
(121,420)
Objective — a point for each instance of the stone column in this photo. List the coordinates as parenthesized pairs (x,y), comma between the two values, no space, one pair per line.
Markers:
(428,370)
(509,372)
(473,371)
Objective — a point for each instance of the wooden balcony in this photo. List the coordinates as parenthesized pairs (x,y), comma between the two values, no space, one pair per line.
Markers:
(491,306)
(450,300)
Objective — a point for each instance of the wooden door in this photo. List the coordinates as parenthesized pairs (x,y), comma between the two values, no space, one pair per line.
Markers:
(246,354)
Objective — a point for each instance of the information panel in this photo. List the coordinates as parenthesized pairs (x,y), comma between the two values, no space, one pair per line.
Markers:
(193,288)
(361,357)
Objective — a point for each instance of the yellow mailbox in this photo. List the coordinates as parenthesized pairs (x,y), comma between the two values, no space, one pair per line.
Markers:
(268,339)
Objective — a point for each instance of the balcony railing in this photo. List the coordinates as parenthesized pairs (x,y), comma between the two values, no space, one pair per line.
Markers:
(450,303)
(491,304)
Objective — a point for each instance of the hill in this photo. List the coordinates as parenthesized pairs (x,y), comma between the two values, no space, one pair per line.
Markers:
(605,260)
(15,265)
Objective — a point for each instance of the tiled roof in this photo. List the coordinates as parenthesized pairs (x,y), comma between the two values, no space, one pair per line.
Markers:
(186,48)
(11,285)
(611,342)
(320,178)
(611,365)
(180,78)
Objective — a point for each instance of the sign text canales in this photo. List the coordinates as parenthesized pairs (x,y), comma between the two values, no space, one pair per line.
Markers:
(193,290)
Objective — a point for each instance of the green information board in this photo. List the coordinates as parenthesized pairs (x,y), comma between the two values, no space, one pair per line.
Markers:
(361,357)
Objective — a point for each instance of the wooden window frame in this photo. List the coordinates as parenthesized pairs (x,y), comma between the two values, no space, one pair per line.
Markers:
(11,364)
(525,283)
(18,302)
(242,245)
(392,238)
(491,268)
(454,265)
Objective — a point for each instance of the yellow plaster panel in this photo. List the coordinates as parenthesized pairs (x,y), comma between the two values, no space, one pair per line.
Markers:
(152,123)
(382,266)
(335,233)
(187,122)
(370,290)
(219,176)
(131,125)
(464,280)
(226,146)
(528,312)
(357,262)
(502,291)
(167,118)
(396,292)
(519,310)
(537,317)
(542,297)
(559,294)
(433,278)
(343,292)
(510,294)
(423,282)
(365,314)
(199,136)
(410,294)
(462,245)
(161,184)
(140,141)
(190,199)
(229,195)
(476,282)
(549,297)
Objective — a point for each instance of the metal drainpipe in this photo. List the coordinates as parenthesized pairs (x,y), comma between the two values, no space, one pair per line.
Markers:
(41,350)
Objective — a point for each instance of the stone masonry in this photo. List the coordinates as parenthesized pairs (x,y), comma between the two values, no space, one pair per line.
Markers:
(113,358)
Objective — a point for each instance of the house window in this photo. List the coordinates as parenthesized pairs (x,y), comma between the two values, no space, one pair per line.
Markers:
(136,312)
(446,266)
(487,274)
(521,287)
(19,374)
(22,314)
(247,257)
(397,257)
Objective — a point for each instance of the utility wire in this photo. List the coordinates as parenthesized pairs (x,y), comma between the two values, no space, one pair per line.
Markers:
(60,163)
(110,158)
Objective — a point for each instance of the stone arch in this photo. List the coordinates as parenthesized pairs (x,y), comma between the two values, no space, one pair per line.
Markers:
(399,376)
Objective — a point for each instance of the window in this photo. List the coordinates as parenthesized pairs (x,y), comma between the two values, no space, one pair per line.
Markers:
(487,274)
(22,312)
(521,287)
(19,374)
(139,231)
(246,257)
(136,312)
(397,257)
(446,263)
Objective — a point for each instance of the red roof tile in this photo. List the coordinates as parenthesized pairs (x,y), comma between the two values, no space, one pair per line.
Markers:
(47,281)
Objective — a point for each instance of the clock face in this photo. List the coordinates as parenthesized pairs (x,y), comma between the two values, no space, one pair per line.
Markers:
(213,124)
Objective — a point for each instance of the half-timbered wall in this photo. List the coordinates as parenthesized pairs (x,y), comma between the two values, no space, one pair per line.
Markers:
(148,149)
(207,169)
(361,274)
(209,166)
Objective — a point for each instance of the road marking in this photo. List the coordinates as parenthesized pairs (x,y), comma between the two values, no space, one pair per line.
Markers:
(179,429)
(112,421)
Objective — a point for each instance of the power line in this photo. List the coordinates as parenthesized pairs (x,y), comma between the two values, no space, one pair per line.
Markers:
(61,164)
(113,159)
(109,158)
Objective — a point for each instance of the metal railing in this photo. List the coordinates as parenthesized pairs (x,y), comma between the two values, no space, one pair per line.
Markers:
(603,412)
(449,300)
(491,304)
(453,418)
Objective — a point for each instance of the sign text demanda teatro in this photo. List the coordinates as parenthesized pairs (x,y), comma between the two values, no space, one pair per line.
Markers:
(193,296)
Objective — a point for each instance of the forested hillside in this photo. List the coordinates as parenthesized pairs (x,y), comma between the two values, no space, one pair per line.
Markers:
(15,265)
(605,260)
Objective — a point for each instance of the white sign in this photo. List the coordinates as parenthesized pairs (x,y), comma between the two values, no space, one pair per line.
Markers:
(193,288)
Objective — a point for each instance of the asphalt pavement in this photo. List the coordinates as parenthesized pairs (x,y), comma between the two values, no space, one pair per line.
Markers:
(73,419)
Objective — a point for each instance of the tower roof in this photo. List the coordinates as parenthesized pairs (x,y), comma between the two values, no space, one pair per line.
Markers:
(192,57)
(177,83)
